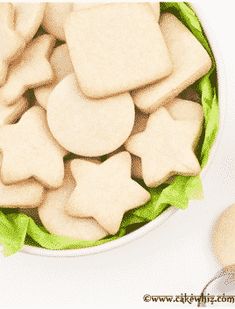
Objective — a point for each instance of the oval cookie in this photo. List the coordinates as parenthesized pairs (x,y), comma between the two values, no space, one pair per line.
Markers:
(224,237)
(85,126)
(57,221)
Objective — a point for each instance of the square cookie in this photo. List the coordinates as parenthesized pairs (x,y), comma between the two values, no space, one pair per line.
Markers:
(190,61)
(116,48)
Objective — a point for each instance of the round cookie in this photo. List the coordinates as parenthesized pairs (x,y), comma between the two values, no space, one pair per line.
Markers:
(223,238)
(54,17)
(85,126)
(57,221)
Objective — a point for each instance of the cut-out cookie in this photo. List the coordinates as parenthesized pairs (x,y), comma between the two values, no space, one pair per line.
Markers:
(12,44)
(88,127)
(190,62)
(31,70)
(54,17)
(9,114)
(116,47)
(24,194)
(179,110)
(224,237)
(54,217)
(165,148)
(156,9)
(29,150)
(83,6)
(62,66)
(28,17)
(113,191)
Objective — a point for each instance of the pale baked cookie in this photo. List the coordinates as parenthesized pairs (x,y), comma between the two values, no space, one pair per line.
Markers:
(116,48)
(29,150)
(31,70)
(190,62)
(156,9)
(24,194)
(62,66)
(105,191)
(81,6)
(165,148)
(28,17)
(12,44)
(57,221)
(179,110)
(9,114)
(223,239)
(77,6)
(88,127)
(54,17)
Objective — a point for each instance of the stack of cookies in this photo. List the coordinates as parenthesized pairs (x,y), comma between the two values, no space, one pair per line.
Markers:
(106,81)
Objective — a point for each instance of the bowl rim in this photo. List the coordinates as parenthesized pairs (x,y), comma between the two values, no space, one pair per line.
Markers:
(171,210)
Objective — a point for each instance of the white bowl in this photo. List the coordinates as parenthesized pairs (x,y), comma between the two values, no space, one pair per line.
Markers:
(171,210)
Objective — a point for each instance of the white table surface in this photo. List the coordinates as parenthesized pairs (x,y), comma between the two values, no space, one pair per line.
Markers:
(174,258)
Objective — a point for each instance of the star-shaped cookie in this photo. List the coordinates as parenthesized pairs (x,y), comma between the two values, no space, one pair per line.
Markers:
(105,191)
(32,69)
(11,42)
(165,148)
(57,221)
(29,150)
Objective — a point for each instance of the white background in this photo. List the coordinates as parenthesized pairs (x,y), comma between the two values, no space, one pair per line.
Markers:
(174,258)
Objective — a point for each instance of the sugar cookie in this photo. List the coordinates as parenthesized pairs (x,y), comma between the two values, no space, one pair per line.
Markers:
(190,62)
(156,9)
(83,6)
(179,110)
(185,110)
(31,70)
(154,5)
(54,18)
(9,114)
(165,148)
(24,194)
(224,237)
(57,221)
(28,17)
(29,150)
(12,43)
(113,191)
(115,48)
(62,66)
(88,127)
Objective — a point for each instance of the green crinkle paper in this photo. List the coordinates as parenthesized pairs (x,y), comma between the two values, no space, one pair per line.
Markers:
(17,229)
